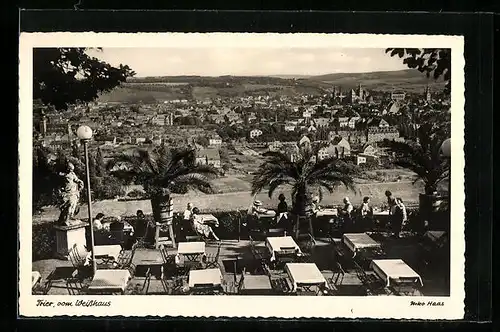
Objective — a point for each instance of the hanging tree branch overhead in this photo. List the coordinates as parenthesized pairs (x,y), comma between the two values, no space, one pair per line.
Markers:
(64,76)
(432,61)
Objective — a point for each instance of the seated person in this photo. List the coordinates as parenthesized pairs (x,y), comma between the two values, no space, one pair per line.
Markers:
(315,205)
(257,208)
(199,226)
(97,223)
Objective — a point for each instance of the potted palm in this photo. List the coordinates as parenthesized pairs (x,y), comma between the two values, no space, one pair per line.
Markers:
(305,174)
(422,156)
(164,171)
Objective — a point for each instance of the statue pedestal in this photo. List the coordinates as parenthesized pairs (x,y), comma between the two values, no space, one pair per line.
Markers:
(67,236)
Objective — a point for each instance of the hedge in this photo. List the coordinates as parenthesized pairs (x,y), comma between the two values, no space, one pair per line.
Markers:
(44,245)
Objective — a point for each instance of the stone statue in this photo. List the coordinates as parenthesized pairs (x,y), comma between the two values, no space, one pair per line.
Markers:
(70,195)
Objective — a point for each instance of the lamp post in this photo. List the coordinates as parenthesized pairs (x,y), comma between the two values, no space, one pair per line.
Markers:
(84,133)
(445,151)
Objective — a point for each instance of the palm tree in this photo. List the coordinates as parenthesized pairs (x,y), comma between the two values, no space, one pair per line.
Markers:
(164,171)
(422,156)
(306,174)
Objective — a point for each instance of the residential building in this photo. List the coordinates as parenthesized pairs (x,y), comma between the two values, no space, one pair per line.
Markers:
(208,157)
(304,140)
(365,158)
(379,134)
(398,95)
(215,140)
(339,147)
(255,133)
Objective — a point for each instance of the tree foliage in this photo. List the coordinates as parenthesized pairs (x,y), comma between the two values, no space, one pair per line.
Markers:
(306,175)
(431,61)
(422,156)
(163,171)
(64,76)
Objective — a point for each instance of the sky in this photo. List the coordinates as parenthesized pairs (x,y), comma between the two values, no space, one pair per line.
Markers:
(249,61)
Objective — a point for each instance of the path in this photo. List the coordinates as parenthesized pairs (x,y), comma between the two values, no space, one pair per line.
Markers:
(241,200)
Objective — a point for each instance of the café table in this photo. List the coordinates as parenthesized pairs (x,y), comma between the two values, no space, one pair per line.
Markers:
(109,282)
(107,251)
(327,213)
(267,214)
(192,251)
(281,244)
(148,262)
(305,275)
(395,271)
(207,277)
(255,285)
(359,241)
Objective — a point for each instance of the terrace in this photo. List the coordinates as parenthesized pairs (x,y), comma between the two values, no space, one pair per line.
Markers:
(165,271)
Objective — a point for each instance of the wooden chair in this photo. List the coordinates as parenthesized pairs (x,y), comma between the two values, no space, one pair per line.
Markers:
(307,248)
(42,288)
(213,260)
(261,256)
(338,274)
(281,286)
(125,258)
(81,270)
(276,232)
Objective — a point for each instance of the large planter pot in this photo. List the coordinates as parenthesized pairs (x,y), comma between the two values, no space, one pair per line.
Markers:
(430,210)
(162,209)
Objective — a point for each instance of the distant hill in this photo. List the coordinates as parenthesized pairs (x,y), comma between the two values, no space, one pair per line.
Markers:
(410,80)
(159,88)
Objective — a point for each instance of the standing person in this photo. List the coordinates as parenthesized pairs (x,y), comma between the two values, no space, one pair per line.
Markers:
(142,229)
(346,213)
(400,217)
(186,220)
(366,212)
(282,208)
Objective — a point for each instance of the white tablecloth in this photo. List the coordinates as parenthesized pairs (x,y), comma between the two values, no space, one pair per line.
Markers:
(191,248)
(109,281)
(112,251)
(394,269)
(208,276)
(327,213)
(280,243)
(357,241)
(305,274)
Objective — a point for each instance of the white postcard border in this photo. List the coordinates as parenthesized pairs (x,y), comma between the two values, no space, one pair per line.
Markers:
(394,307)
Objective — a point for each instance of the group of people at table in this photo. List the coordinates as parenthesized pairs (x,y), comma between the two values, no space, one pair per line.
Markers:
(346,217)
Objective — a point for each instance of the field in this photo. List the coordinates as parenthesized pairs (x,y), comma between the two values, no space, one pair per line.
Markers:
(199,88)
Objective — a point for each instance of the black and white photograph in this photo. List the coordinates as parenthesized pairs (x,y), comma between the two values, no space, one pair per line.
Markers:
(243,168)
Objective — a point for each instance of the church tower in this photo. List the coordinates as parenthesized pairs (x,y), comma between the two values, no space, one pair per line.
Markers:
(427,93)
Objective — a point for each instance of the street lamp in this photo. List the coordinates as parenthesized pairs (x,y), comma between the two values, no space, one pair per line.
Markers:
(84,133)
(445,152)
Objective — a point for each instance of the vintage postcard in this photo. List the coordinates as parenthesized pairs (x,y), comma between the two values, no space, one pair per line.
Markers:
(241,175)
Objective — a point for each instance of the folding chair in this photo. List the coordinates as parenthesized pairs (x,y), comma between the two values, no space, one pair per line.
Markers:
(213,260)
(125,258)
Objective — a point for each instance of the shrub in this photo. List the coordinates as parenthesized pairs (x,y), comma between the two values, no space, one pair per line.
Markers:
(137,193)
(107,187)
(43,241)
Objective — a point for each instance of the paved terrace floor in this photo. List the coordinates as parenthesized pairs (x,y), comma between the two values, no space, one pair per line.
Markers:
(406,249)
